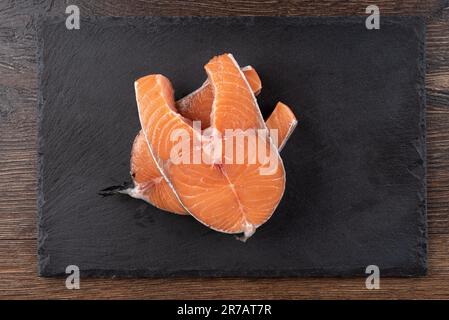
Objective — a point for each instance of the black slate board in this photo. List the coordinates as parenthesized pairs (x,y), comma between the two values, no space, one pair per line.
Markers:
(355,165)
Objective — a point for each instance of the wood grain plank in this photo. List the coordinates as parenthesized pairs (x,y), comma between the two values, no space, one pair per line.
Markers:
(438,51)
(438,169)
(253,7)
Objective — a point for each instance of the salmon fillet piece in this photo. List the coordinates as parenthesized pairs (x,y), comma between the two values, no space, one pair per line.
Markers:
(230,198)
(284,121)
(197,105)
(149,184)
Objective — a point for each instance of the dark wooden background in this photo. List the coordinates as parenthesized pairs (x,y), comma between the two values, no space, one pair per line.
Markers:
(18,139)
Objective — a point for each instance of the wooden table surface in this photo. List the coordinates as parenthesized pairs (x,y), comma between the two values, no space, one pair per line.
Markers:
(18,157)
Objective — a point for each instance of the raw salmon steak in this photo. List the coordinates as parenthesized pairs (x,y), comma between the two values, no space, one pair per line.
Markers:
(210,154)
(227,196)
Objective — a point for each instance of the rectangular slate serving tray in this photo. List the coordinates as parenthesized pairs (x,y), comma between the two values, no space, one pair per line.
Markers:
(356,187)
